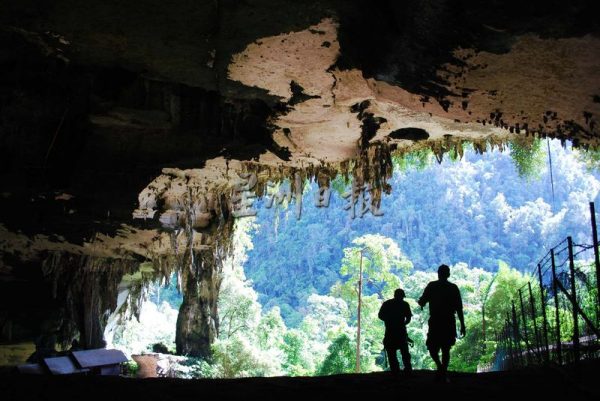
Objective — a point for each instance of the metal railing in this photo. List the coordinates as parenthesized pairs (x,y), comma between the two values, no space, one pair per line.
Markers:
(555,317)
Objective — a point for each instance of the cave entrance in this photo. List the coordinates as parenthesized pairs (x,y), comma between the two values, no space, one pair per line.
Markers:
(287,302)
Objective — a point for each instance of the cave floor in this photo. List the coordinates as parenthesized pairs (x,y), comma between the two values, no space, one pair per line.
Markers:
(578,383)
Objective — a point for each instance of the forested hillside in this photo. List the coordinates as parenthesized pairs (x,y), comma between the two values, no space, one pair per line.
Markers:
(479,210)
(288,300)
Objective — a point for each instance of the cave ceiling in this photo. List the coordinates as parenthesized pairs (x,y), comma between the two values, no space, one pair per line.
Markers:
(120,120)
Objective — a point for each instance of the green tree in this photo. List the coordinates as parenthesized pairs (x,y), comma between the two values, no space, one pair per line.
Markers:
(239,357)
(528,156)
(298,358)
(382,262)
(326,317)
(417,160)
(239,309)
(507,283)
(590,157)
(271,330)
(341,357)
(468,351)
(249,342)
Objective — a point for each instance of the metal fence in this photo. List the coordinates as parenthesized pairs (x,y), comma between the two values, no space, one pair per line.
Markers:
(555,317)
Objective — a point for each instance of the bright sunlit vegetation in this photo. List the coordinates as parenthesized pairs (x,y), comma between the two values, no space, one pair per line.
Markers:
(288,300)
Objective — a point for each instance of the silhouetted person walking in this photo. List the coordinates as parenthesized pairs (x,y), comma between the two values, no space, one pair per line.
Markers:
(396,315)
(444,301)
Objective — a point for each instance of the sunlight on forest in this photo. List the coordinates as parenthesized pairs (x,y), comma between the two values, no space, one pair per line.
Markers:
(288,300)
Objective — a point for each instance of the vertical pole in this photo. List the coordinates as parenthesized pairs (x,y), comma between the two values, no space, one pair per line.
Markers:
(505,349)
(596,251)
(534,318)
(515,323)
(551,174)
(485,297)
(501,351)
(359,302)
(509,337)
(555,289)
(510,362)
(545,318)
(483,322)
(574,297)
(526,332)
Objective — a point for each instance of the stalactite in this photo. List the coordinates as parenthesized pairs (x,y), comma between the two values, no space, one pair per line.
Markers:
(201,223)
(455,144)
(86,288)
(197,254)
(373,167)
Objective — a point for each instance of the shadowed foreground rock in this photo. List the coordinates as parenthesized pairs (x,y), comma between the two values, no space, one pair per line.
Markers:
(542,383)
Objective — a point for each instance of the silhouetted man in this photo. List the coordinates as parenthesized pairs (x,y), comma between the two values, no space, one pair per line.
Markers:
(444,301)
(396,315)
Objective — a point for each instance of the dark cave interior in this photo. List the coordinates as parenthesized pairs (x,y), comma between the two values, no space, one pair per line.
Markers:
(117,116)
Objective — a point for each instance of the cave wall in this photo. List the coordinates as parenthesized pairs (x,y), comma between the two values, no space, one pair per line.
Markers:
(109,108)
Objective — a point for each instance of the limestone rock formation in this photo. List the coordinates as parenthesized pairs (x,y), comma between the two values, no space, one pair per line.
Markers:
(130,131)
